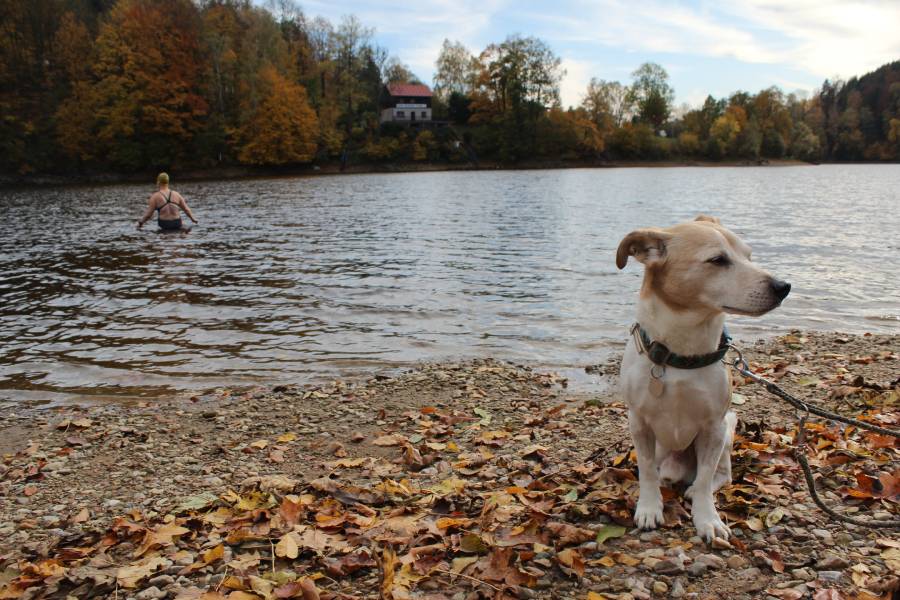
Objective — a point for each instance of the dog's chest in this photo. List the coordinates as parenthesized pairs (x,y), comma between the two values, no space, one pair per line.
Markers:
(689,400)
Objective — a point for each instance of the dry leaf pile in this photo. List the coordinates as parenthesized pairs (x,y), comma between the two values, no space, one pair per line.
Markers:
(462,500)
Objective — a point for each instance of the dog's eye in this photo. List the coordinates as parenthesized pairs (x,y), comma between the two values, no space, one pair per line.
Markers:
(719,261)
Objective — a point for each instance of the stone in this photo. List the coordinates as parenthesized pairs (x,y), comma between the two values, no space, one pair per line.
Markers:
(833,576)
(660,588)
(151,593)
(677,589)
(669,567)
(804,573)
(832,563)
(736,562)
(162,581)
(711,560)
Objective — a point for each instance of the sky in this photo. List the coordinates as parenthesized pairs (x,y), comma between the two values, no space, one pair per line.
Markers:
(707,47)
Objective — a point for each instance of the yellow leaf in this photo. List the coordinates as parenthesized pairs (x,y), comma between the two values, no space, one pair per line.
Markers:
(451,485)
(755,523)
(287,437)
(259,444)
(774,517)
(287,547)
(162,536)
(128,577)
(261,586)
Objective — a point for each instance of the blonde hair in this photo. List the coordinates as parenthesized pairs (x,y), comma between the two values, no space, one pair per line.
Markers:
(162,179)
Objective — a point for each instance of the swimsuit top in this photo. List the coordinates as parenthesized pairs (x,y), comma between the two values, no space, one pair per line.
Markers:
(168,201)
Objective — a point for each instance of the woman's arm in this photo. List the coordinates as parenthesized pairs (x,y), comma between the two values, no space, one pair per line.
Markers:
(186,209)
(151,206)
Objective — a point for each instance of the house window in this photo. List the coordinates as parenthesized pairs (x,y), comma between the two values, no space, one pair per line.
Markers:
(401,114)
(424,114)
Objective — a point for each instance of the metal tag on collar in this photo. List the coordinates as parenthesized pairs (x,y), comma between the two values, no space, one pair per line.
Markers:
(656,383)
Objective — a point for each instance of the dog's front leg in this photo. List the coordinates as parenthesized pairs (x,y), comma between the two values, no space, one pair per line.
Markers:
(649,511)
(709,444)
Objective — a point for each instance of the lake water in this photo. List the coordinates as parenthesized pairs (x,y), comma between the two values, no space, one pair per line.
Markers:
(300,279)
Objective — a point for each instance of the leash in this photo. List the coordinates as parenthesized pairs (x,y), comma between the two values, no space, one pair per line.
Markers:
(805,409)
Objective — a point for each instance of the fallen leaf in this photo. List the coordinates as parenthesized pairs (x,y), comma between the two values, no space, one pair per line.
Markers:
(287,546)
(162,536)
(610,531)
(390,440)
(129,576)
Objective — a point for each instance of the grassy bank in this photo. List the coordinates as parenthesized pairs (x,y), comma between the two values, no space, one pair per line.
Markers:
(472,480)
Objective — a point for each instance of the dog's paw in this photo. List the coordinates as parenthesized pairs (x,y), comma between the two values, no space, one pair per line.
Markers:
(711,527)
(649,515)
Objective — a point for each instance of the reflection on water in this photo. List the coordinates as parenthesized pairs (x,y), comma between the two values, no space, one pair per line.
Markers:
(305,278)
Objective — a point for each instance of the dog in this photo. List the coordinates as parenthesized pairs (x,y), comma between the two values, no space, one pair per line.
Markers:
(676,387)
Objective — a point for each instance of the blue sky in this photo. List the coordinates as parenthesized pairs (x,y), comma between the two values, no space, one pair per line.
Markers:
(707,47)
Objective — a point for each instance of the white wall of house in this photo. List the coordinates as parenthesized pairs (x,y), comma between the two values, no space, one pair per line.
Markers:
(404,115)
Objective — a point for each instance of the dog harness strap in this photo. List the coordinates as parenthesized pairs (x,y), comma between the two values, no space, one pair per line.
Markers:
(659,353)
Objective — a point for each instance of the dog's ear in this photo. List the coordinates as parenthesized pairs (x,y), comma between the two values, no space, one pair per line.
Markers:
(646,245)
(709,219)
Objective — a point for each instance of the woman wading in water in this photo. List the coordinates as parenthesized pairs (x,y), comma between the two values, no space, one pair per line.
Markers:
(168,203)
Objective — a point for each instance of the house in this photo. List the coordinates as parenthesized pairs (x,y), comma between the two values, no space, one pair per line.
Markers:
(407,103)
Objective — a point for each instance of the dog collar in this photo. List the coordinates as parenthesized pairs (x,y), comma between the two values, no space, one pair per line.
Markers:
(659,353)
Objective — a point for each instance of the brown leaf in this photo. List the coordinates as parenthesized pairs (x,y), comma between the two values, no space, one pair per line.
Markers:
(349,563)
(82,516)
(572,559)
(388,568)
(302,588)
(389,440)
(569,534)
(829,594)
(162,536)
(129,576)
(291,510)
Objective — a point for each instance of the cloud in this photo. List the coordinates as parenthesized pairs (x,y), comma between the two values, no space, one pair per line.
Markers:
(829,37)
(575,81)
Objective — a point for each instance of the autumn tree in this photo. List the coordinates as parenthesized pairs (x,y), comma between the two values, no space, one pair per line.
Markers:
(455,70)
(652,93)
(608,103)
(148,69)
(518,81)
(282,128)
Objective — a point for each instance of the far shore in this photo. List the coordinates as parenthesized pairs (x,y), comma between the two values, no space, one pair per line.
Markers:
(246,172)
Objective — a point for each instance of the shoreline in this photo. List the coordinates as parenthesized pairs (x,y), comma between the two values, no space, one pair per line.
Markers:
(376,464)
(239,172)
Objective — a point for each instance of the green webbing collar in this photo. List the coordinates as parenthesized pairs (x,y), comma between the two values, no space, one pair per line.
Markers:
(660,354)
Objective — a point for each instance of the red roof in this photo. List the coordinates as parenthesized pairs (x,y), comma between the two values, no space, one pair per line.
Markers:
(409,89)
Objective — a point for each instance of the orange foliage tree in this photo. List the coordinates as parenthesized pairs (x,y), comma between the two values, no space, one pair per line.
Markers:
(282,129)
(147,71)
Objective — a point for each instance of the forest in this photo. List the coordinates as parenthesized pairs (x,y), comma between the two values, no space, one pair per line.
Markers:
(126,86)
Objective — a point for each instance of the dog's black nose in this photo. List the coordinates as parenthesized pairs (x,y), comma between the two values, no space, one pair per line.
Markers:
(780,288)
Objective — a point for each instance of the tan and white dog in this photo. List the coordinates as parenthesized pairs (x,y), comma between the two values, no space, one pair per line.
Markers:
(679,415)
